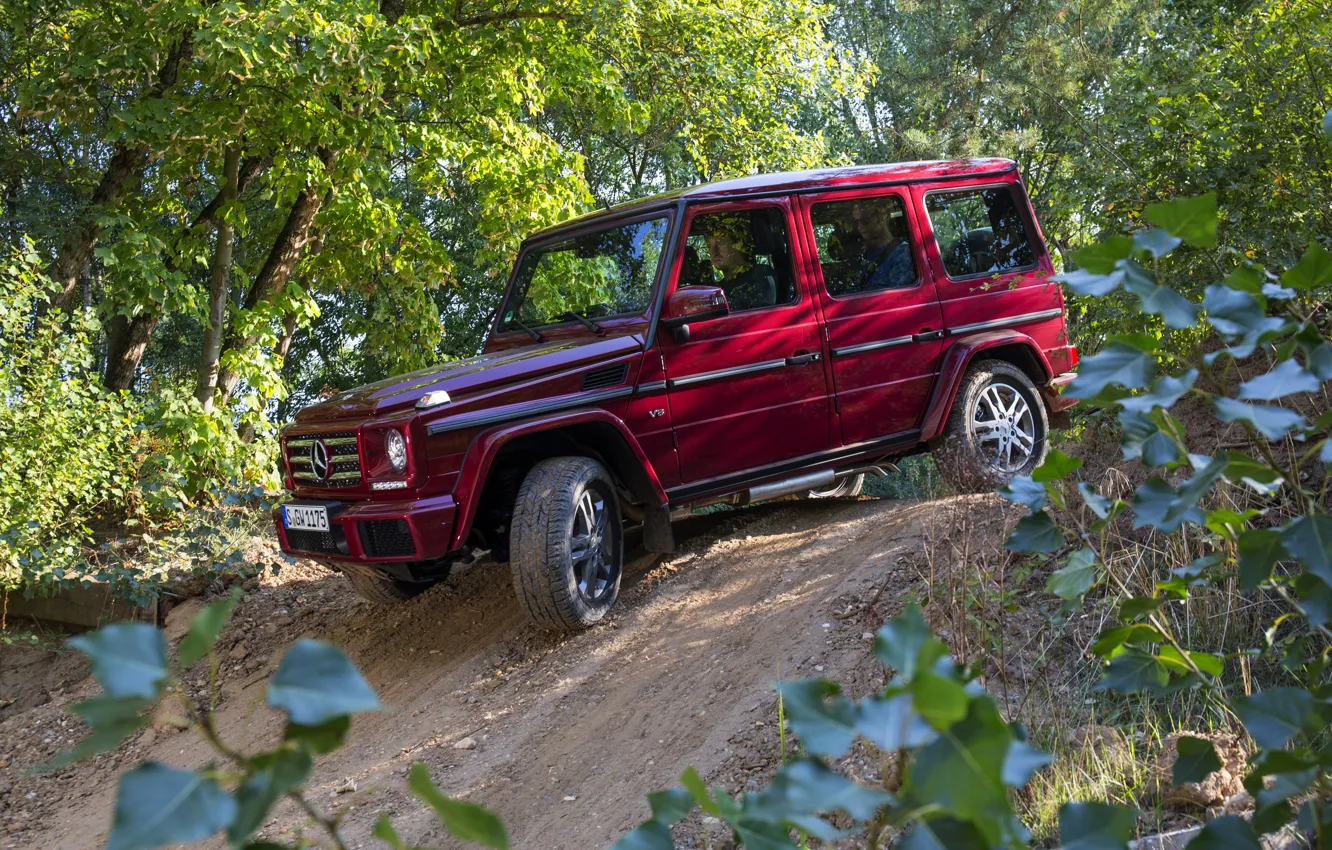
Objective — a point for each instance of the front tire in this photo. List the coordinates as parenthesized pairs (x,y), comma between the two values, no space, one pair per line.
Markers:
(996,429)
(566,544)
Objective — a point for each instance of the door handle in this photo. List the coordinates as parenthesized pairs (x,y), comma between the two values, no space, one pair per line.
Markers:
(804,359)
(927,334)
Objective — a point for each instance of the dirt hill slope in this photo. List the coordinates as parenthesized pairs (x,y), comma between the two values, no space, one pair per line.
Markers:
(568,734)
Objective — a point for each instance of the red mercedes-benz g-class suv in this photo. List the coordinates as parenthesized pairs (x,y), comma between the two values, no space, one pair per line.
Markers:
(734,342)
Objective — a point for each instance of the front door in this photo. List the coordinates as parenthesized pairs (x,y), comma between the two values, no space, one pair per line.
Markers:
(885,327)
(746,390)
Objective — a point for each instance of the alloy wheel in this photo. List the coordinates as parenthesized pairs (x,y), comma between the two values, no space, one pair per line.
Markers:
(590,545)
(1004,426)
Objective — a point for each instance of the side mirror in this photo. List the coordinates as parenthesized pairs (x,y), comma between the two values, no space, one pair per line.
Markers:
(694,304)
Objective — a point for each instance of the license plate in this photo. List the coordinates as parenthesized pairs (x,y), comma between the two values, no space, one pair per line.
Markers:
(305,517)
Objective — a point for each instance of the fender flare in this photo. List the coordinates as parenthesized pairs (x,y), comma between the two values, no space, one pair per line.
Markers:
(954,365)
(486,446)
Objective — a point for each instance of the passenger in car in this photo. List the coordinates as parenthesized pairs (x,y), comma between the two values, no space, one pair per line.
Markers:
(748,284)
(886,261)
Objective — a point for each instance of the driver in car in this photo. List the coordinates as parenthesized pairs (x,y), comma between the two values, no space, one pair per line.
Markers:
(886,262)
(747,283)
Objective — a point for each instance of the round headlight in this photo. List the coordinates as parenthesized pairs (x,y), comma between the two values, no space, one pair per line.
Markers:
(396,447)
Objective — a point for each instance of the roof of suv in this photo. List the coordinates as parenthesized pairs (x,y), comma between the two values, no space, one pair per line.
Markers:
(839,177)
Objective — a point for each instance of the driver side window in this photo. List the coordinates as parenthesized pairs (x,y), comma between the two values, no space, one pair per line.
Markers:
(746,253)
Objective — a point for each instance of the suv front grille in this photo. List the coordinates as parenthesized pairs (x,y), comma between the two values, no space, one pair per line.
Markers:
(322,542)
(342,463)
(387,538)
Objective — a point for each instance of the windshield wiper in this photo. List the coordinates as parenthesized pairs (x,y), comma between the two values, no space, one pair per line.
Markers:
(516,323)
(587,323)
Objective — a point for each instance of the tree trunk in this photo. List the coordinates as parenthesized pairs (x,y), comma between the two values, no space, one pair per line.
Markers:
(282,259)
(217,293)
(121,366)
(127,162)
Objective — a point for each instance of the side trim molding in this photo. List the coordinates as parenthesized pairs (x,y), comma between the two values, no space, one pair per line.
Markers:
(651,387)
(1004,323)
(723,374)
(872,346)
(522,411)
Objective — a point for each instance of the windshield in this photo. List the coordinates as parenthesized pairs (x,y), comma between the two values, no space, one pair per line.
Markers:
(604,273)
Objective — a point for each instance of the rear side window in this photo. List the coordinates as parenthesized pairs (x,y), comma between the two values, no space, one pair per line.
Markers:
(979,231)
(746,253)
(864,245)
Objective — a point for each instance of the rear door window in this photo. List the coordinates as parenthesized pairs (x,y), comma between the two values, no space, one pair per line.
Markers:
(979,231)
(864,245)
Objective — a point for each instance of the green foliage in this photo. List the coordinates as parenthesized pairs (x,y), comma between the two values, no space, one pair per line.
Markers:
(157,805)
(1281,548)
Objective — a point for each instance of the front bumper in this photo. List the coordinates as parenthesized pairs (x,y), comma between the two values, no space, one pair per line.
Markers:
(1054,392)
(374,532)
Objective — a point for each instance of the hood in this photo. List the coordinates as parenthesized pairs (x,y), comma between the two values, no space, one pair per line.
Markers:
(464,378)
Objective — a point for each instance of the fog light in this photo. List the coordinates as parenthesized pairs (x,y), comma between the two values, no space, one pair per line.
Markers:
(396,448)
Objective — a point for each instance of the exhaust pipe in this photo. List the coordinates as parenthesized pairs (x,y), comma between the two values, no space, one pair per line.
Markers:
(809,481)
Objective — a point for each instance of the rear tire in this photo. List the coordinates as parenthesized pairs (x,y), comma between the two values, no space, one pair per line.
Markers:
(383,590)
(848,488)
(566,544)
(996,429)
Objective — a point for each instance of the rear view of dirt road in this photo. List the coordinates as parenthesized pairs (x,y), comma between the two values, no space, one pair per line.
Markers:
(562,737)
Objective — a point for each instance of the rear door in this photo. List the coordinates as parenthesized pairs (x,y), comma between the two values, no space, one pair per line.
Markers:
(884,324)
(746,390)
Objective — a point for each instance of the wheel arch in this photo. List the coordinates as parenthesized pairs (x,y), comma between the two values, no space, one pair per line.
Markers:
(1010,346)
(499,458)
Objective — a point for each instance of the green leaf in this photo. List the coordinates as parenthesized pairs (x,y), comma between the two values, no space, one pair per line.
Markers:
(1271,421)
(892,724)
(1158,504)
(1313,271)
(205,628)
(323,738)
(1272,717)
(1112,639)
(1098,504)
(941,701)
(1309,540)
(1197,759)
(810,786)
(1141,437)
(1229,832)
(1327,125)
(1255,475)
(820,715)
(1035,533)
(650,835)
(1177,311)
(1101,257)
(1025,491)
(1191,219)
(758,835)
(1286,379)
(694,783)
(1239,318)
(1117,363)
(1057,466)
(944,833)
(1259,550)
(271,775)
(1092,284)
(962,771)
(1021,762)
(1316,599)
(906,644)
(671,805)
(464,821)
(384,831)
(1096,826)
(1164,392)
(1156,242)
(1132,609)
(315,683)
(1133,670)
(158,805)
(110,719)
(1072,582)
(128,659)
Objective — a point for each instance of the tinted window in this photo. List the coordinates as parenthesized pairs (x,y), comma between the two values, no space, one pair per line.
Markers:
(605,273)
(863,245)
(979,231)
(745,253)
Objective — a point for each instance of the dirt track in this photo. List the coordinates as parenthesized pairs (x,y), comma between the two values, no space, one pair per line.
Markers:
(681,676)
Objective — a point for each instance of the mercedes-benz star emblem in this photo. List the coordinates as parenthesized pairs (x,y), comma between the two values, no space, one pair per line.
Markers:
(319,460)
